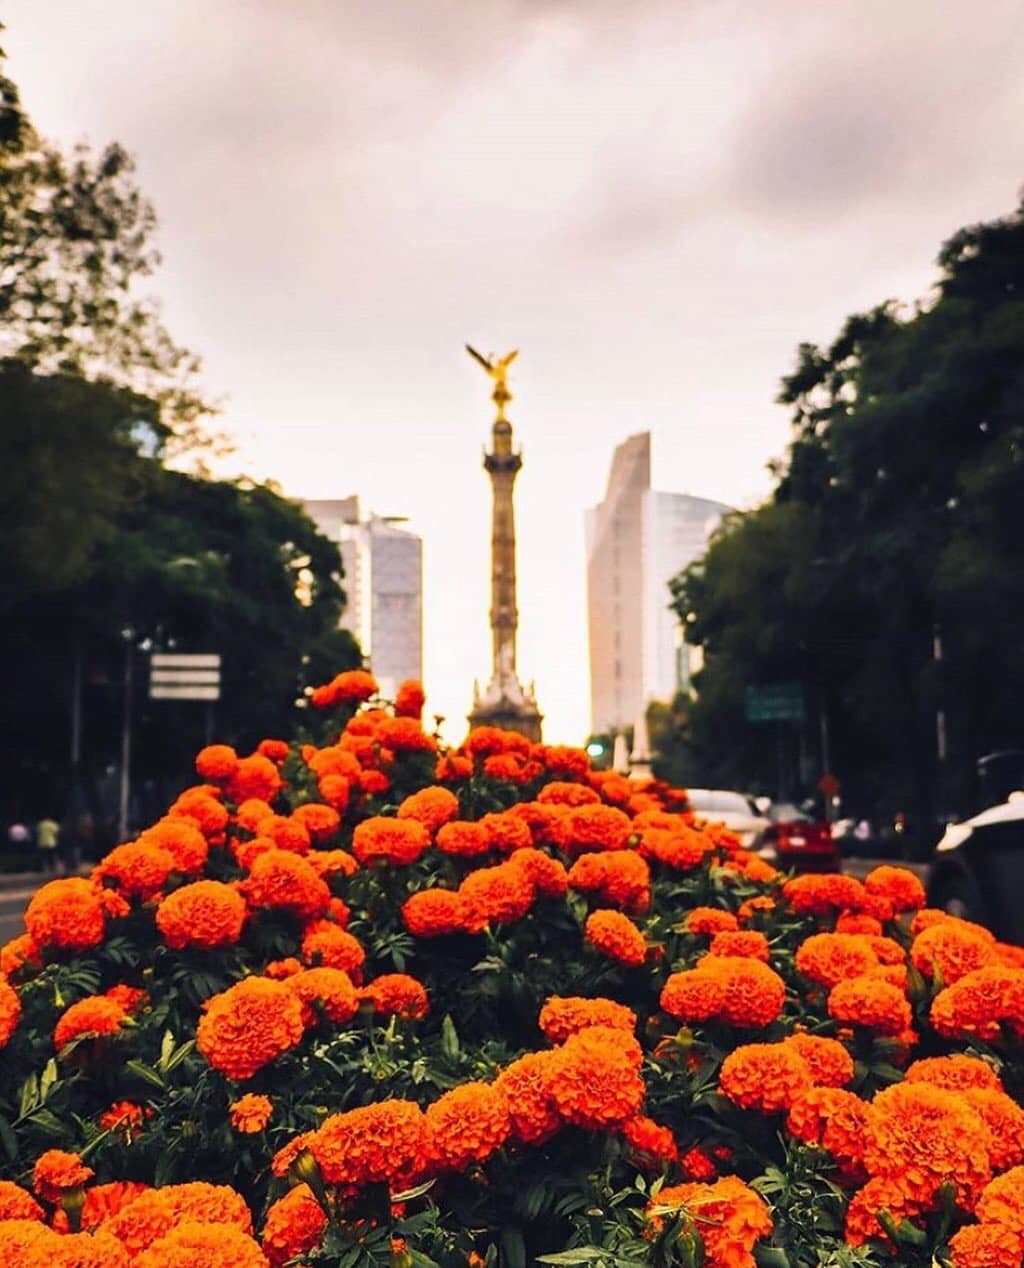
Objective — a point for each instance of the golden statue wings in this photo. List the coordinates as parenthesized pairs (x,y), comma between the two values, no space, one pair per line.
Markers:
(497,368)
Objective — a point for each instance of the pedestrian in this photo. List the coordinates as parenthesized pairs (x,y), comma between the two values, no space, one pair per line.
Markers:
(18,836)
(47,841)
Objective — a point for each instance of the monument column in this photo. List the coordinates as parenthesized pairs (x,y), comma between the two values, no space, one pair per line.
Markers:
(504,703)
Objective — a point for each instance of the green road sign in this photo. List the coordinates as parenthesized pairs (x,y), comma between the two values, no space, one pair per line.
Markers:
(775,702)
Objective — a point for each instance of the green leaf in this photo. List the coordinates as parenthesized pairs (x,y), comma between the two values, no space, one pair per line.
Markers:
(513,1248)
(146,1073)
(581,1255)
(449,1037)
(29,1096)
(8,1139)
(49,1077)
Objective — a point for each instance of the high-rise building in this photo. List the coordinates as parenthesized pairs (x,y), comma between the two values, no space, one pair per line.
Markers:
(637,539)
(384,582)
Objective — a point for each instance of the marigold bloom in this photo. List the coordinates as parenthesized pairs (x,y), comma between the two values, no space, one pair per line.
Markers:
(453,769)
(327,944)
(741,944)
(1002,1201)
(467,1125)
(27,1242)
(286,881)
(649,1142)
(327,991)
(204,810)
(397,994)
(14,955)
(558,792)
(710,920)
(693,995)
(615,935)
(953,949)
(484,740)
(432,807)
(56,1171)
(254,776)
(565,1015)
(597,828)
(980,1002)
(897,884)
(511,768)
(434,912)
(739,992)
(879,1194)
(463,839)
(409,699)
(506,832)
(955,1073)
(858,922)
(216,762)
(182,840)
(594,1079)
(294,1225)
(204,914)
(140,1223)
(525,1085)
(812,894)
(395,841)
(1004,1119)
(250,1113)
(697,1164)
(621,878)
(920,1137)
(563,760)
(495,895)
(870,1002)
(681,848)
(547,875)
(212,1245)
(828,1061)
(548,824)
(17,1204)
(249,1025)
(276,750)
(125,1115)
(764,1076)
(730,1217)
(373,1144)
(985,1246)
(336,790)
(137,869)
(66,914)
(10,1011)
(829,958)
(94,1015)
(833,1119)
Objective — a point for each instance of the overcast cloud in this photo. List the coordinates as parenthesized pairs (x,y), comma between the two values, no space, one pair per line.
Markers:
(656,201)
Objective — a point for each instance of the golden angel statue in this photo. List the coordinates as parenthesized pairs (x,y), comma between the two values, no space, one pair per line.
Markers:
(497,368)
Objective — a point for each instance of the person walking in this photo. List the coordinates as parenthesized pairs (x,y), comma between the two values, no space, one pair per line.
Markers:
(47,840)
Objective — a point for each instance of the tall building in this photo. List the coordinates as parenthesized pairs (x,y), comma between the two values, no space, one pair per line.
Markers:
(504,702)
(384,582)
(637,539)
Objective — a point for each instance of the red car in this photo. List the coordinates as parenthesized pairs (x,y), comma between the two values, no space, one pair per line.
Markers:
(801,842)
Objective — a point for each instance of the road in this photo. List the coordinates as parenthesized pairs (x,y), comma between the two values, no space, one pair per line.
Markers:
(12,904)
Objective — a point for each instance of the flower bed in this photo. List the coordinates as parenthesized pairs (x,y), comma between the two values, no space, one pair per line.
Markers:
(374,1002)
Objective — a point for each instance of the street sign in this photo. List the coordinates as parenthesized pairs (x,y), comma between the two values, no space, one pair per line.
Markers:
(174,676)
(775,702)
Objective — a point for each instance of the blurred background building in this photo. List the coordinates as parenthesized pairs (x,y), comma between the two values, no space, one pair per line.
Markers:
(637,538)
(384,582)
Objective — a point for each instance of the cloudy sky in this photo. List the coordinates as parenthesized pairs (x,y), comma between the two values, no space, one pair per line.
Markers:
(655,200)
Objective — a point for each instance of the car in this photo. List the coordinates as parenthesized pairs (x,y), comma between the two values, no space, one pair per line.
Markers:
(978,869)
(800,841)
(735,809)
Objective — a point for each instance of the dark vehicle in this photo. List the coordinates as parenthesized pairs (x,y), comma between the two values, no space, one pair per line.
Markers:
(801,841)
(978,870)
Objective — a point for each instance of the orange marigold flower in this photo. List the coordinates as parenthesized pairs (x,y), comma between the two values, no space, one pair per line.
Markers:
(730,1218)
(409,699)
(483,740)
(750,908)
(835,1120)
(212,1245)
(506,832)
(563,760)
(27,1242)
(829,1062)
(204,810)
(131,998)
(248,1025)
(597,828)
(565,1015)
(525,1085)
(336,790)
(594,1078)
(204,914)
(56,1171)
(615,935)
(216,762)
(351,686)
(563,794)
(649,1142)
(295,1224)
(431,806)
(10,1011)
(828,958)
(405,735)
(453,769)
(696,1164)
(955,1073)
(858,922)
(710,920)
(899,885)
(463,839)
(985,1246)
(17,1204)
(250,1113)
(813,894)
(140,1223)
(373,1144)
(870,1002)
(252,814)
(434,912)
(1005,1121)
(920,1137)
(1002,1201)
(547,875)
(125,1115)
(20,951)
(737,991)
(495,895)
(324,991)
(327,944)
(979,1003)
(741,944)
(94,1015)
(398,842)
(764,1076)
(692,995)
(276,750)
(278,970)
(548,824)
(138,869)
(953,949)
(621,878)
(182,840)
(284,880)
(681,848)
(254,776)
(397,994)
(467,1125)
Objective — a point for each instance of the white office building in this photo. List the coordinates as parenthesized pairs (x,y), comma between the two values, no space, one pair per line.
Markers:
(383,565)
